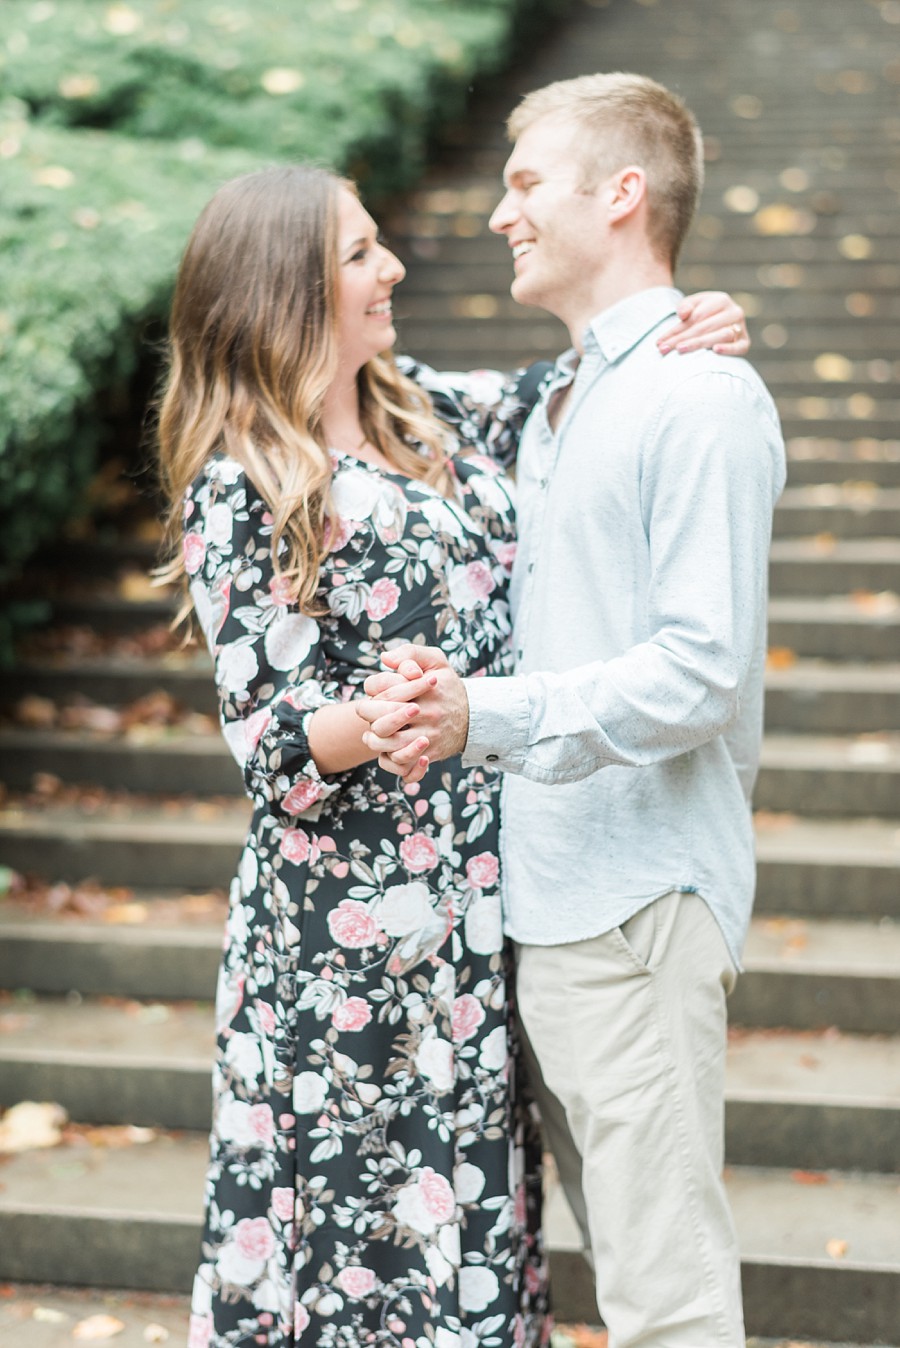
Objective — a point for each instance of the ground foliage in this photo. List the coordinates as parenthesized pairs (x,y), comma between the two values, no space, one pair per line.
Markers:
(117,121)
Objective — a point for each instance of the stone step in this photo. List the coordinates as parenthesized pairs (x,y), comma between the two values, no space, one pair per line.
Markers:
(125,841)
(807,695)
(800,972)
(109,614)
(865,626)
(792,1099)
(145,761)
(812,695)
(791,1283)
(818,462)
(833,566)
(806,974)
(113,682)
(860,510)
(806,312)
(805,866)
(853,776)
(827,867)
(130,1217)
(842,777)
(110,1061)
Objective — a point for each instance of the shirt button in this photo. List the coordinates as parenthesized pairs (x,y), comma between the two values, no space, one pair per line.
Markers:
(493,758)
(543,484)
(530,567)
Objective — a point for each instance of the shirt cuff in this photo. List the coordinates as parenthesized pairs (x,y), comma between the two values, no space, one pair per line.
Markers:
(498,723)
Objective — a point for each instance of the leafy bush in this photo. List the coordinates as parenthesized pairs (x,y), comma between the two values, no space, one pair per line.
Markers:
(118,121)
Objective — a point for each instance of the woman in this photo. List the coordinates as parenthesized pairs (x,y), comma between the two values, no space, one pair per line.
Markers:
(374,1169)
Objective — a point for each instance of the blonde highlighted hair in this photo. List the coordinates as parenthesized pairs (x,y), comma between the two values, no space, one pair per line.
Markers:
(252,353)
(620,119)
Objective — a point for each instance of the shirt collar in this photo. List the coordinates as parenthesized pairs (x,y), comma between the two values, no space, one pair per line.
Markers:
(617,329)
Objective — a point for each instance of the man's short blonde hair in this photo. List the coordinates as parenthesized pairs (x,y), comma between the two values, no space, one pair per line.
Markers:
(620,119)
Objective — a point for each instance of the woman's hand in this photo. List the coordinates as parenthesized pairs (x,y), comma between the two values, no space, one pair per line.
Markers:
(708,319)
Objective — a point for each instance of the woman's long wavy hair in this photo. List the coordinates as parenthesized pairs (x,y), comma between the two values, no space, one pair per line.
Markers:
(253,350)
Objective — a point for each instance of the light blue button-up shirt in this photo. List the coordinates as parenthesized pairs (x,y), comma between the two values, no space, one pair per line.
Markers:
(630,732)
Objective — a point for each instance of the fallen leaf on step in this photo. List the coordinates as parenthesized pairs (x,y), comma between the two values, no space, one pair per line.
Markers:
(126,914)
(155,1333)
(34,711)
(883,604)
(583,1336)
(116,1135)
(46,1315)
(137,587)
(98,1327)
(781,657)
(30,1126)
(837,1249)
(809,1177)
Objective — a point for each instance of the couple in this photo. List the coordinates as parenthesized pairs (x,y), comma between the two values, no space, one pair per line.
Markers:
(375,1159)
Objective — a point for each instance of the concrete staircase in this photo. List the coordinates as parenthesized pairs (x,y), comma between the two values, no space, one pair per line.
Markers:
(108,1014)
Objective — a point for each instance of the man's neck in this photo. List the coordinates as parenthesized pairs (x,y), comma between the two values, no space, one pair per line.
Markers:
(624,278)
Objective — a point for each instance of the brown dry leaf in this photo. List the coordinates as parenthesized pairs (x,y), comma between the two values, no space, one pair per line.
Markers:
(809,1177)
(881,605)
(137,587)
(31,1126)
(824,542)
(37,712)
(126,914)
(583,1336)
(98,1327)
(781,657)
(770,821)
(116,1136)
(836,1249)
(155,1334)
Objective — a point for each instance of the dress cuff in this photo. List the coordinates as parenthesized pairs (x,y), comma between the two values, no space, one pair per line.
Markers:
(498,723)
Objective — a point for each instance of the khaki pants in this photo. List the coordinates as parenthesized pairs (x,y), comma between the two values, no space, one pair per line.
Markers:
(629,1032)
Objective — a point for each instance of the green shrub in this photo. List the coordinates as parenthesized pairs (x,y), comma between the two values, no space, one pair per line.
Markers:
(117,121)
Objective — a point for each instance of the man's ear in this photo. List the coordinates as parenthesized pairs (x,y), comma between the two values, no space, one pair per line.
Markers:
(627,190)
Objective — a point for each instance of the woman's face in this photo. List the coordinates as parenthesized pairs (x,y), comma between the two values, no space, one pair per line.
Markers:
(367,274)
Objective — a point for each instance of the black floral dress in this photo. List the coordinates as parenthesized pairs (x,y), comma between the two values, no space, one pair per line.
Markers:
(374,1173)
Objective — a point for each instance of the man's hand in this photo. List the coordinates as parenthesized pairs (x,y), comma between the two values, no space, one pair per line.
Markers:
(440,711)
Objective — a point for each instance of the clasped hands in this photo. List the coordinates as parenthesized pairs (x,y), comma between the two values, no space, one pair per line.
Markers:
(416,711)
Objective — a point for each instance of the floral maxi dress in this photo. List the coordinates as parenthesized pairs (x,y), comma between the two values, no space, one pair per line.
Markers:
(374,1170)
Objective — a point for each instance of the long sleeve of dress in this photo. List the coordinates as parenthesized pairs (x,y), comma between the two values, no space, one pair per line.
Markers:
(271,668)
(486,409)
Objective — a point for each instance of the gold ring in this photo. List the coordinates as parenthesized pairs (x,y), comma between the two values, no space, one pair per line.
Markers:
(736,329)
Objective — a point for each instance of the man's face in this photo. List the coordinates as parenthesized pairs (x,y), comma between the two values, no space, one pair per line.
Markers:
(555,227)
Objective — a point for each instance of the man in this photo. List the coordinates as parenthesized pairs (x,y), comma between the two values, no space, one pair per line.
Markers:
(630,732)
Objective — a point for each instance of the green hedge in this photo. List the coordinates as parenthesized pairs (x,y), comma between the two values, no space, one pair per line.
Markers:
(117,121)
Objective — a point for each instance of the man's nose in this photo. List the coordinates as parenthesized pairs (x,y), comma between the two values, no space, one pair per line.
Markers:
(503,215)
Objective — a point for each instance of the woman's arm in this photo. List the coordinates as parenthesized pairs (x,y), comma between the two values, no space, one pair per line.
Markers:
(710,318)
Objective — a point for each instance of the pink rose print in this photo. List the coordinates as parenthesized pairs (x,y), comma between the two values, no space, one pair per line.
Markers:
(438,1196)
(280,590)
(353,1015)
(193,550)
(266,1015)
(301,1318)
(255,726)
(468,1014)
(294,846)
(419,853)
(356,1282)
(254,1238)
(384,598)
(305,793)
(200,1331)
(481,582)
(352,925)
(338,533)
(506,555)
(283,1204)
(482,871)
(262,1124)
